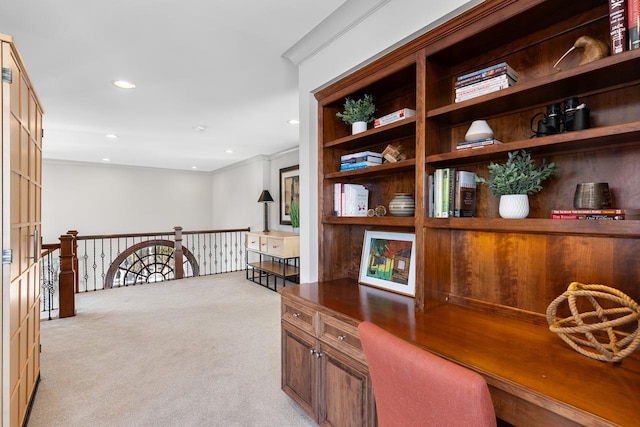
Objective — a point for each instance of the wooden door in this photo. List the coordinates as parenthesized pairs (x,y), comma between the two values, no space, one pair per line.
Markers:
(21,211)
(299,368)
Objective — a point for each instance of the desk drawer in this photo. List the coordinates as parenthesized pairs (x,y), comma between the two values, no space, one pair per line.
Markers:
(342,336)
(253,242)
(275,247)
(300,316)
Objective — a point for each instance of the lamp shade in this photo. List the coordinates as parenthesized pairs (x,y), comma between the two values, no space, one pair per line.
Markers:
(265,196)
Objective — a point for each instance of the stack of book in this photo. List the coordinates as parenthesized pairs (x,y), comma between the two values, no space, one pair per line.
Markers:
(452,193)
(484,81)
(350,200)
(394,117)
(360,160)
(477,143)
(605,214)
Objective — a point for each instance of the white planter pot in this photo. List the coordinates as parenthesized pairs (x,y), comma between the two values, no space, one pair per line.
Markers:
(514,206)
(358,127)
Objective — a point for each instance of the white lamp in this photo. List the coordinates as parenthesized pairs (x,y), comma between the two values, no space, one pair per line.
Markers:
(479,129)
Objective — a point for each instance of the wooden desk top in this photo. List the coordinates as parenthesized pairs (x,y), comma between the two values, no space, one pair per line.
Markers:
(519,360)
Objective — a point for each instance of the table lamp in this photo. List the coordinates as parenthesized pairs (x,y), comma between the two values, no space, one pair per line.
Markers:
(265,198)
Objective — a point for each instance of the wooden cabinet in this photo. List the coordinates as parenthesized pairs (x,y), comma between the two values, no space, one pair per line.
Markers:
(21,140)
(323,366)
(502,270)
(278,256)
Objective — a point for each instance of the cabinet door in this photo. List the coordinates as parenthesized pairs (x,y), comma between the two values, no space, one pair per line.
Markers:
(346,394)
(299,368)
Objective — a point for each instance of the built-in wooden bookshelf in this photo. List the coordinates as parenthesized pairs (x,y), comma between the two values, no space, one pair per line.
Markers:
(501,269)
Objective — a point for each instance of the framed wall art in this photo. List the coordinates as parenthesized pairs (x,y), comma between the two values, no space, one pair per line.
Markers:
(289,191)
(389,261)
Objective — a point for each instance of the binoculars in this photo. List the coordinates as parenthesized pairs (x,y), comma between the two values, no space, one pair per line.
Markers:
(574,117)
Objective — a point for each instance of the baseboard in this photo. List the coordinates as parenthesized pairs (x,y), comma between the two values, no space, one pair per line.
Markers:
(30,405)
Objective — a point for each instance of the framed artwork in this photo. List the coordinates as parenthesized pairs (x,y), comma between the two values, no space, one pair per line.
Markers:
(389,261)
(289,191)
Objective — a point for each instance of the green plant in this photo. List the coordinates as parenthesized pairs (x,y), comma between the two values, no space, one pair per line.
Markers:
(294,213)
(519,175)
(361,110)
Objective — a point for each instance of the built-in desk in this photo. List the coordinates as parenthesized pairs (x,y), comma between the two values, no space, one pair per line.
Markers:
(535,379)
(278,257)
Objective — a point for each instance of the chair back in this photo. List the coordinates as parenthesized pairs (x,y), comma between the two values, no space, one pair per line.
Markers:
(413,387)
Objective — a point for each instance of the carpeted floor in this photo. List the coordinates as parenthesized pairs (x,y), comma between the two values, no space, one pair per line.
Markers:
(195,352)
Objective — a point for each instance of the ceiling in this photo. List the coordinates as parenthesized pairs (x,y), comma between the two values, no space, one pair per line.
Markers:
(213,64)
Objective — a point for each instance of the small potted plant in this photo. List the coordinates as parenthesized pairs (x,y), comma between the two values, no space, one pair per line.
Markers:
(294,213)
(515,180)
(358,113)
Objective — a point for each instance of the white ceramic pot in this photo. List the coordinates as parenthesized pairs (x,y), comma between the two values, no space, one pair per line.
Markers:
(358,127)
(514,206)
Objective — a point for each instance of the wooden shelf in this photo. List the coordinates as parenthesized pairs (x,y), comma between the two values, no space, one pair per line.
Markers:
(600,138)
(388,220)
(402,129)
(276,268)
(622,229)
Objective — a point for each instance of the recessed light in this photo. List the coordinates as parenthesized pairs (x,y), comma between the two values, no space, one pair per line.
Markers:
(105,159)
(293,122)
(111,136)
(228,151)
(194,167)
(122,84)
(200,128)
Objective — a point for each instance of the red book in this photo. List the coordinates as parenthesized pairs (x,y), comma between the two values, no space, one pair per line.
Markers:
(633,26)
(618,25)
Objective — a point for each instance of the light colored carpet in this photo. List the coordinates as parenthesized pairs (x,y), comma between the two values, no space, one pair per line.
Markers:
(194,352)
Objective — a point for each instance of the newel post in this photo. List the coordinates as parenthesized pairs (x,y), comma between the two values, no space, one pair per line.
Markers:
(67,295)
(178,255)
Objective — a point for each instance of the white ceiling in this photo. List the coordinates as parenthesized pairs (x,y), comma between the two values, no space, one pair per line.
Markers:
(217,64)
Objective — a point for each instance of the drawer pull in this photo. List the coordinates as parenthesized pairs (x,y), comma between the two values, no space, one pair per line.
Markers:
(296,315)
(275,247)
(342,337)
(318,355)
(312,351)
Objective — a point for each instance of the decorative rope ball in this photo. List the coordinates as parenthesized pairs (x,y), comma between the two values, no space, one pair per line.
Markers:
(593,333)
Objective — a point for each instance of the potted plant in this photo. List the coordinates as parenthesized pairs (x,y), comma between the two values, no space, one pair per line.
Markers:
(358,113)
(515,180)
(294,213)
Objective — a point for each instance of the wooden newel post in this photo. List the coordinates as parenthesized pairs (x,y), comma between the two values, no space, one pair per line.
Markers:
(67,294)
(74,233)
(178,254)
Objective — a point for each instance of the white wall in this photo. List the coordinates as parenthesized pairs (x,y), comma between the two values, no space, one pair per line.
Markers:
(280,161)
(388,27)
(107,199)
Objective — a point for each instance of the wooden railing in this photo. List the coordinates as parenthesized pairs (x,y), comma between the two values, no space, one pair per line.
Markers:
(90,263)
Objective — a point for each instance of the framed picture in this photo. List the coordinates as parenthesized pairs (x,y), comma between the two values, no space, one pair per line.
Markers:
(289,191)
(389,261)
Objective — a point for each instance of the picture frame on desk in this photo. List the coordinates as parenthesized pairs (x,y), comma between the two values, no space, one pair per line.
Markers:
(289,191)
(389,261)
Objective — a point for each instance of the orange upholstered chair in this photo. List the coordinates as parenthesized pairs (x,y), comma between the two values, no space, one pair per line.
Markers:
(413,387)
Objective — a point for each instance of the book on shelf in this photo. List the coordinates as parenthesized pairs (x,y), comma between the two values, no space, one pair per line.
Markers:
(501,69)
(487,71)
(483,88)
(633,26)
(452,193)
(477,143)
(595,213)
(350,200)
(360,155)
(394,117)
(618,25)
(465,194)
(358,165)
(372,159)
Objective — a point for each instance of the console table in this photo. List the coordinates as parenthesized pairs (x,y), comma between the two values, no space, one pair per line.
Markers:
(278,256)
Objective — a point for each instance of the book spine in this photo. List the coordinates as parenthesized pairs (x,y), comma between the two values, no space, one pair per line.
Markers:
(359,165)
(633,26)
(589,211)
(431,195)
(337,199)
(484,76)
(372,159)
(618,25)
(475,144)
(485,84)
(437,191)
(487,70)
(452,190)
(445,193)
(588,217)
(394,117)
(360,154)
